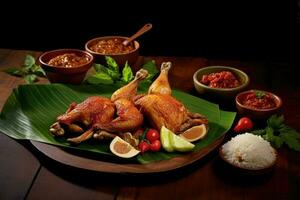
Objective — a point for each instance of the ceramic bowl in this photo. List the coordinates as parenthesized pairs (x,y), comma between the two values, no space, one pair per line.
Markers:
(120,58)
(72,75)
(226,93)
(255,113)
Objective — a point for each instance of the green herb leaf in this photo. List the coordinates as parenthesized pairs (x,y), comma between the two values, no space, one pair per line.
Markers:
(150,66)
(29,61)
(278,133)
(37,70)
(143,136)
(30,78)
(127,74)
(112,64)
(14,71)
(277,141)
(259,94)
(269,134)
(112,70)
(292,142)
(100,68)
(276,121)
(100,78)
(259,132)
(113,74)
(29,70)
(289,131)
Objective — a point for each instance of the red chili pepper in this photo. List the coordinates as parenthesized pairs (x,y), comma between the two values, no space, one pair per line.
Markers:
(243,125)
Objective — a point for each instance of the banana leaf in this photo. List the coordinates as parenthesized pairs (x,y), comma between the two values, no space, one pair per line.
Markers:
(31,109)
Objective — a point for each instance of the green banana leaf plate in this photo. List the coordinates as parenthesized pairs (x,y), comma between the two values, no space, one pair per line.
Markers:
(31,109)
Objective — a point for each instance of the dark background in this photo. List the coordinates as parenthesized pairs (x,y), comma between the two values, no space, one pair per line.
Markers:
(244,30)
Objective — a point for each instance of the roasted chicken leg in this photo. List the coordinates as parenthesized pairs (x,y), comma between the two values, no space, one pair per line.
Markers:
(129,91)
(161,84)
(161,109)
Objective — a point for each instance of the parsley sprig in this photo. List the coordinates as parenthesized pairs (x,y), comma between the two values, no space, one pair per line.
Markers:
(278,133)
(259,94)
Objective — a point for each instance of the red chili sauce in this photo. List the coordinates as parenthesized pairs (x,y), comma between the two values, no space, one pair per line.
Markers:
(68,60)
(111,46)
(223,79)
(259,100)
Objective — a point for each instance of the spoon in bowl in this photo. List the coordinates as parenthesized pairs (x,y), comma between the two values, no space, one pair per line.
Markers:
(140,32)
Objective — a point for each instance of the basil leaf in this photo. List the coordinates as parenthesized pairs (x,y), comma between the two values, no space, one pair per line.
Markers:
(14,71)
(100,78)
(30,78)
(37,70)
(114,75)
(29,61)
(150,66)
(112,64)
(100,68)
(127,74)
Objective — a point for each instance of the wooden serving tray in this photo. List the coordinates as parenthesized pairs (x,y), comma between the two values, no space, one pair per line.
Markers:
(60,155)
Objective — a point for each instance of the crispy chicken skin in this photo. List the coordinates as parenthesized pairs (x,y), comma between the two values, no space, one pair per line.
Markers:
(92,110)
(161,84)
(163,110)
(129,118)
(129,91)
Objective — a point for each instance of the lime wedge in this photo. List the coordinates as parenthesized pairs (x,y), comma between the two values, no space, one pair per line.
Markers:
(165,139)
(180,144)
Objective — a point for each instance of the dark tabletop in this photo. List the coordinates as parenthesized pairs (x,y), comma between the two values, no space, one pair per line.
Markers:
(27,173)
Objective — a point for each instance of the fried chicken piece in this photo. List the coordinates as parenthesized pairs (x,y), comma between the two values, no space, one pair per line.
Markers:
(128,118)
(129,91)
(161,84)
(94,110)
(91,111)
(161,109)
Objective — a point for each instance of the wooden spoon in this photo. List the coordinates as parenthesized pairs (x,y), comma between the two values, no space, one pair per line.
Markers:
(140,32)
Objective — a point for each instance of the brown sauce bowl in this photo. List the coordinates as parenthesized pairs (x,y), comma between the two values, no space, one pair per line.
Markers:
(59,74)
(121,58)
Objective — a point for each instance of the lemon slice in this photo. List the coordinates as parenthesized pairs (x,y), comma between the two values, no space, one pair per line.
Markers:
(165,139)
(121,148)
(195,133)
(180,144)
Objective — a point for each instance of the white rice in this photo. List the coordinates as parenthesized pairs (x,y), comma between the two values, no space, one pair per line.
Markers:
(249,151)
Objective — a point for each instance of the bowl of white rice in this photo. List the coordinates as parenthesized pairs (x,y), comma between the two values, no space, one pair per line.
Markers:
(249,152)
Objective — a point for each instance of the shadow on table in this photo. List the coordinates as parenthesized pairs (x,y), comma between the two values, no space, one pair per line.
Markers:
(231,175)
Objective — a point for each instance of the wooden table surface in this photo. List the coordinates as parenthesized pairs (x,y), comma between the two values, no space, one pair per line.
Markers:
(27,173)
